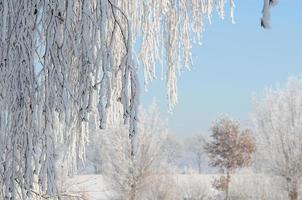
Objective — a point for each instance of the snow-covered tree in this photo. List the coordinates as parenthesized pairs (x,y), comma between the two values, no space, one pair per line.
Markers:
(230,148)
(56,53)
(278,126)
(195,145)
(131,178)
(173,149)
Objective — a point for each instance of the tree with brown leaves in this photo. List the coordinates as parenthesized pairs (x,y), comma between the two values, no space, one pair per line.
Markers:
(230,149)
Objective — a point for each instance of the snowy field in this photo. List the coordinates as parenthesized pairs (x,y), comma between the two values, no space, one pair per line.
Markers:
(189,186)
(91,187)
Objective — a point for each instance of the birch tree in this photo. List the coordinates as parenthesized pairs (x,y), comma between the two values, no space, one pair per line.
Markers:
(277,120)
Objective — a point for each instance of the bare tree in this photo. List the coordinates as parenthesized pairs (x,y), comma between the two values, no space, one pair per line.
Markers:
(278,127)
(195,145)
(230,149)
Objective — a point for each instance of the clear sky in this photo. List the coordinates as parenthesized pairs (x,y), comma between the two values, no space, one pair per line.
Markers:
(234,62)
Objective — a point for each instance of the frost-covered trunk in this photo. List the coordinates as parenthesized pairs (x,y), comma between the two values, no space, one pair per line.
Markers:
(227,188)
(199,163)
(292,185)
(132,191)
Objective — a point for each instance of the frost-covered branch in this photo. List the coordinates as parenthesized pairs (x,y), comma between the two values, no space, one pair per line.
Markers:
(266,12)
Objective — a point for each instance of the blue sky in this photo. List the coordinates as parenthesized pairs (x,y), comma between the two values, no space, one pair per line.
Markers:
(234,62)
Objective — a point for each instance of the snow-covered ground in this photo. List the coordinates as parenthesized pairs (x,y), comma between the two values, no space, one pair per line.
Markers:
(90,187)
(251,186)
(94,187)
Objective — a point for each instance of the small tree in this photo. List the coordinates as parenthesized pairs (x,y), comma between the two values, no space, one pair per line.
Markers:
(195,145)
(132,180)
(230,149)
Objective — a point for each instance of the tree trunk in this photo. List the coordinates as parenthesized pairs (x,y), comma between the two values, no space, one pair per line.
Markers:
(292,189)
(132,192)
(199,168)
(199,163)
(132,138)
(227,186)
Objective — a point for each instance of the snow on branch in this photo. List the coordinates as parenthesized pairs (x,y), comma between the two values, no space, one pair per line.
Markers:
(266,13)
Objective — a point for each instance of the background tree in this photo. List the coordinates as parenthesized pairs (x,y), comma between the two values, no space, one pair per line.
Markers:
(131,179)
(230,149)
(278,127)
(173,149)
(195,145)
